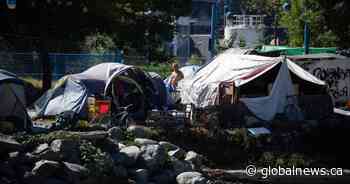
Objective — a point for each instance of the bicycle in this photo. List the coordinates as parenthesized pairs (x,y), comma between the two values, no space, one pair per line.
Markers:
(122,117)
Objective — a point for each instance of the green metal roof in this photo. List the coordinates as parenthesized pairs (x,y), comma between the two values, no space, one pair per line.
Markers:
(291,51)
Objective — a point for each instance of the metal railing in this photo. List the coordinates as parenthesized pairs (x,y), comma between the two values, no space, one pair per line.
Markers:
(246,20)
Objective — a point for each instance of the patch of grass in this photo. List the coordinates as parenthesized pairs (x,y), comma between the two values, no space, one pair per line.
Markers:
(98,162)
(35,140)
(36,82)
(163,69)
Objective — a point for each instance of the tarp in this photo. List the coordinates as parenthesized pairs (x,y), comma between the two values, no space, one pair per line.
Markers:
(160,95)
(285,50)
(72,91)
(12,97)
(202,89)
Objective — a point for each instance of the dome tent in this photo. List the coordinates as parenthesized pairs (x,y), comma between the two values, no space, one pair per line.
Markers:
(202,89)
(72,91)
(12,93)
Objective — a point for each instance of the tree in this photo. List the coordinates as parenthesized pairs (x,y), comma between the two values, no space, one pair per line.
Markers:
(327,21)
(68,22)
(336,14)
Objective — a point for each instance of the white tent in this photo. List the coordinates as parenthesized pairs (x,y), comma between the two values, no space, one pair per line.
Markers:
(203,88)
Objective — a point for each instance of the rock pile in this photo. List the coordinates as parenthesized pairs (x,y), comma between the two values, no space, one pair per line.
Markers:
(98,157)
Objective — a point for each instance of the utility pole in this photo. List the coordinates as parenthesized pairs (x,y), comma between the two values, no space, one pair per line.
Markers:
(306,31)
(213,26)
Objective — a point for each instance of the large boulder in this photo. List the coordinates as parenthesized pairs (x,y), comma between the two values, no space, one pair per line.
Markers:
(140,175)
(9,144)
(144,142)
(74,173)
(178,153)
(6,169)
(191,178)
(41,148)
(140,131)
(111,145)
(128,156)
(21,158)
(67,150)
(195,159)
(120,171)
(168,146)
(115,133)
(164,177)
(180,166)
(46,168)
(153,157)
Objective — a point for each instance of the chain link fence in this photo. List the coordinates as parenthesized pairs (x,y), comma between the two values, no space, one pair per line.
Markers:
(28,65)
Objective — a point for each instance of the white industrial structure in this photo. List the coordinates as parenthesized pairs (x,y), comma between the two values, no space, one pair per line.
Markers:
(244,30)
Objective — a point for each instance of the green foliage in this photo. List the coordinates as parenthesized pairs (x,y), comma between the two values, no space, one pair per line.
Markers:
(126,21)
(295,20)
(99,43)
(266,7)
(163,69)
(326,20)
(282,160)
(195,60)
(34,140)
(98,162)
(128,138)
(242,42)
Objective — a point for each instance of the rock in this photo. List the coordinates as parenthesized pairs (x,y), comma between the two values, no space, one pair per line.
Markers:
(91,135)
(111,145)
(165,177)
(191,178)
(168,146)
(19,158)
(180,166)
(41,148)
(178,153)
(67,150)
(46,168)
(194,158)
(54,181)
(7,170)
(9,144)
(144,142)
(115,133)
(141,176)
(140,131)
(120,171)
(121,146)
(128,155)
(153,157)
(74,173)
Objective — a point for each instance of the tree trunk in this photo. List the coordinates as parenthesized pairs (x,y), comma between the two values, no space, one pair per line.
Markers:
(44,53)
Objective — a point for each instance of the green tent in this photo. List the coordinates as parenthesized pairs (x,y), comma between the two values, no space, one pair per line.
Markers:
(291,51)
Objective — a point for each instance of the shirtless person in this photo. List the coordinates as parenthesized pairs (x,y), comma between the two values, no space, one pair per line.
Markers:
(176,75)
